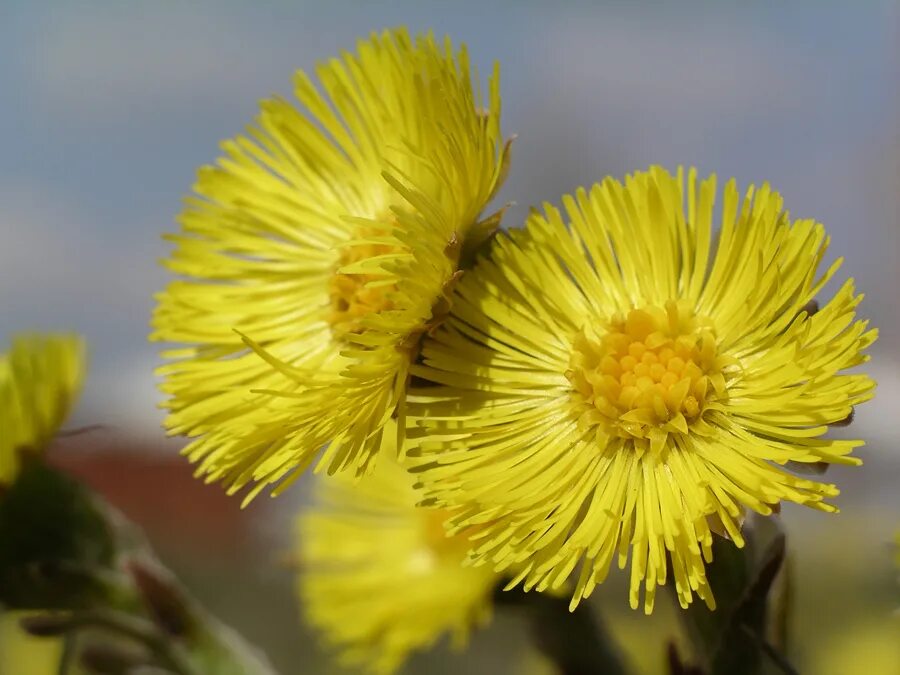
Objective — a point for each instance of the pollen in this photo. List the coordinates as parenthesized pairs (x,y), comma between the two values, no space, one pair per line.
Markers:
(648,374)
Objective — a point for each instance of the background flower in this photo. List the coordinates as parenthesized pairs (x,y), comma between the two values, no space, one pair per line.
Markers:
(379,576)
(20,652)
(40,377)
(316,252)
(623,380)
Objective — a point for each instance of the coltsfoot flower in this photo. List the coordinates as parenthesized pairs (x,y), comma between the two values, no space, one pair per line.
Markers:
(317,252)
(379,576)
(40,377)
(618,382)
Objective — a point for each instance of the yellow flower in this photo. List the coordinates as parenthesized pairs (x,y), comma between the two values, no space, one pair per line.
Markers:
(624,379)
(317,252)
(379,576)
(22,653)
(40,377)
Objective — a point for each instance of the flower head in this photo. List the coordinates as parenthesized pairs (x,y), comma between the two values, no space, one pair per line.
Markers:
(40,376)
(315,255)
(380,578)
(618,379)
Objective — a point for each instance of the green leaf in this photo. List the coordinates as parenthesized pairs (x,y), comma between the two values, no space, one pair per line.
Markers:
(54,542)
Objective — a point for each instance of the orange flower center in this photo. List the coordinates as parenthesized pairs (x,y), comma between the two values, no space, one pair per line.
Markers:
(354,296)
(648,374)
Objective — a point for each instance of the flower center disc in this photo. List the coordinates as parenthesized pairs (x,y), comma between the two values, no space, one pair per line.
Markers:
(648,374)
(355,296)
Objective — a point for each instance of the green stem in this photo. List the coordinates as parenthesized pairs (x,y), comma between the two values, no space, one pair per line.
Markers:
(68,553)
(113,623)
(575,641)
(67,658)
(775,656)
(733,639)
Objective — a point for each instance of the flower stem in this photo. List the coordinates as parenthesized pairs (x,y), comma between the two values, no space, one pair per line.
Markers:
(90,571)
(576,642)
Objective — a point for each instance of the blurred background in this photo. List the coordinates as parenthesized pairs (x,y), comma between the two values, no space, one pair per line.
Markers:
(108,109)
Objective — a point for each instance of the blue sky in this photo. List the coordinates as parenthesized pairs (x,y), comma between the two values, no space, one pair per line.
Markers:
(108,110)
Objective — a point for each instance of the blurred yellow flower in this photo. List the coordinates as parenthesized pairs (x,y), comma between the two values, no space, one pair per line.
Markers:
(379,577)
(317,252)
(21,654)
(40,377)
(870,646)
(624,379)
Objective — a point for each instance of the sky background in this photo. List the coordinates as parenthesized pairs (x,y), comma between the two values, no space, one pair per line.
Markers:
(108,109)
